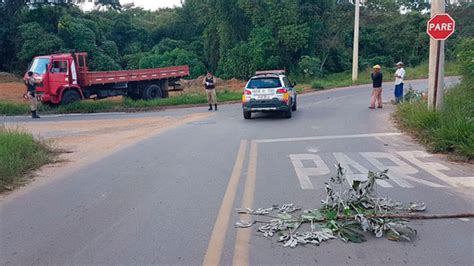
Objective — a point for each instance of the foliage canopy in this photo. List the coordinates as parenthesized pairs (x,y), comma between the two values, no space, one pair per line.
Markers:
(231,38)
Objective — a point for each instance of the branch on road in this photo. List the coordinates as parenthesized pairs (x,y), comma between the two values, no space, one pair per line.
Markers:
(347,213)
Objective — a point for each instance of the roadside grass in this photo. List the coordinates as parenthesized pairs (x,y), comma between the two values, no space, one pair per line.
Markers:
(345,79)
(20,153)
(125,105)
(449,131)
(9,108)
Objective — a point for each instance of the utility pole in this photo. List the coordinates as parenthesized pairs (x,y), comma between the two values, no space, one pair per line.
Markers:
(436,64)
(355,56)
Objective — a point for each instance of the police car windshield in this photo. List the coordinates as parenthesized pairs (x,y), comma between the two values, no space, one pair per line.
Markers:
(264,83)
(39,65)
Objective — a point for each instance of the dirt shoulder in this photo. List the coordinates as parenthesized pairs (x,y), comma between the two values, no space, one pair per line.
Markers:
(12,89)
(85,142)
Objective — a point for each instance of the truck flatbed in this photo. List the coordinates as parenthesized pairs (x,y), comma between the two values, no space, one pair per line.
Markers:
(106,77)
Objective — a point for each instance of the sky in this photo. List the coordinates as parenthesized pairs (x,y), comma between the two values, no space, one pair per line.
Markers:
(153,4)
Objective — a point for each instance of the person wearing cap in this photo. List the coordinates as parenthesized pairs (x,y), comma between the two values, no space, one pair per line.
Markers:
(399,76)
(377,78)
(210,85)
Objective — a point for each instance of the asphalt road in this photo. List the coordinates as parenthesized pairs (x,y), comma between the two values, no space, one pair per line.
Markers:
(170,199)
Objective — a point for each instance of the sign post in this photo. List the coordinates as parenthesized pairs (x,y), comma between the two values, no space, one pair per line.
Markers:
(439,28)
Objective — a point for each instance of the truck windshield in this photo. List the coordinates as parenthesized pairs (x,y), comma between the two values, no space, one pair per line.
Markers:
(259,83)
(39,65)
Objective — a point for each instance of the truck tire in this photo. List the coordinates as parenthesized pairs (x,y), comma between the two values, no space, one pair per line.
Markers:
(70,96)
(152,92)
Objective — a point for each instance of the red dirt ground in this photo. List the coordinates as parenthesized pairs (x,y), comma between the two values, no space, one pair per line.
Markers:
(13,91)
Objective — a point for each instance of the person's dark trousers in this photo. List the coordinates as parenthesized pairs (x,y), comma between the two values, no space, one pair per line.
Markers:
(34,114)
(399,93)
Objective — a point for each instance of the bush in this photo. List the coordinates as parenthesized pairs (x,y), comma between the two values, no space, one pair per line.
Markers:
(465,56)
(448,131)
(19,154)
(309,66)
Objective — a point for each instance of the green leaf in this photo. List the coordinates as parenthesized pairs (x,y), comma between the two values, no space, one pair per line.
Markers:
(351,232)
(331,214)
(347,211)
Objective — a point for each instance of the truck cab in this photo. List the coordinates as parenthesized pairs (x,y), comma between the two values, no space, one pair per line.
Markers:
(58,74)
(65,78)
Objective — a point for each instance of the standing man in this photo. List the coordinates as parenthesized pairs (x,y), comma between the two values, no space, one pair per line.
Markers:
(31,94)
(210,85)
(377,78)
(399,76)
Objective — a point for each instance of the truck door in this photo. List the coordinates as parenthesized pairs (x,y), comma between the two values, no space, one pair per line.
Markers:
(58,75)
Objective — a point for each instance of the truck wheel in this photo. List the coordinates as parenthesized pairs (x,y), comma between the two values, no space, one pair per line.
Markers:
(70,96)
(247,115)
(294,107)
(152,92)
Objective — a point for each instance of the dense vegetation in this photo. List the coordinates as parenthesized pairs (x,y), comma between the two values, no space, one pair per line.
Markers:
(232,38)
(452,129)
(19,153)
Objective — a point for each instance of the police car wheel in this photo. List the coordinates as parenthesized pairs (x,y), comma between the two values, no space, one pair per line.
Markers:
(294,107)
(288,113)
(247,115)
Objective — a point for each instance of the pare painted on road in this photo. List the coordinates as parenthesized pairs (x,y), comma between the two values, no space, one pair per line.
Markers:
(403,167)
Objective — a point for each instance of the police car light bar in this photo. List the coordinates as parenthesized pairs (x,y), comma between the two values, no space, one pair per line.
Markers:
(266,72)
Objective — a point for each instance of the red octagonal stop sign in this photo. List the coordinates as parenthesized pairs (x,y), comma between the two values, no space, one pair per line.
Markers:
(440,27)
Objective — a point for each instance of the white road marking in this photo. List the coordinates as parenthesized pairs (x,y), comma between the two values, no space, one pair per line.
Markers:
(347,163)
(329,137)
(434,169)
(400,173)
(303,173)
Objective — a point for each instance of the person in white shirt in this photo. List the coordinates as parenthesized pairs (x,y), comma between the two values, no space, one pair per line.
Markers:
(399,76)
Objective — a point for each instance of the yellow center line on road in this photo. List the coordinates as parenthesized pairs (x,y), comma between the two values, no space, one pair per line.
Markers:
(241,249)
(216,243)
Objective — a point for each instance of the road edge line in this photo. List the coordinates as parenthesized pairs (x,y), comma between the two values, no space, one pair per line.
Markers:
(331,137)
(216,242)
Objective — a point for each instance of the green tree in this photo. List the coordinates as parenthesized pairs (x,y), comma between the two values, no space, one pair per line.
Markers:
(175,57)
(36,41)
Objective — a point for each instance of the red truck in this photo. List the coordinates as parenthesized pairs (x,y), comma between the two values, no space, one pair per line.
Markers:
(65,78)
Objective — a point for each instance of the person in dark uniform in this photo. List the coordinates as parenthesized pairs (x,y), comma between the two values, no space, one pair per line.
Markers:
(377,79)
(31,94)
(210,85)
